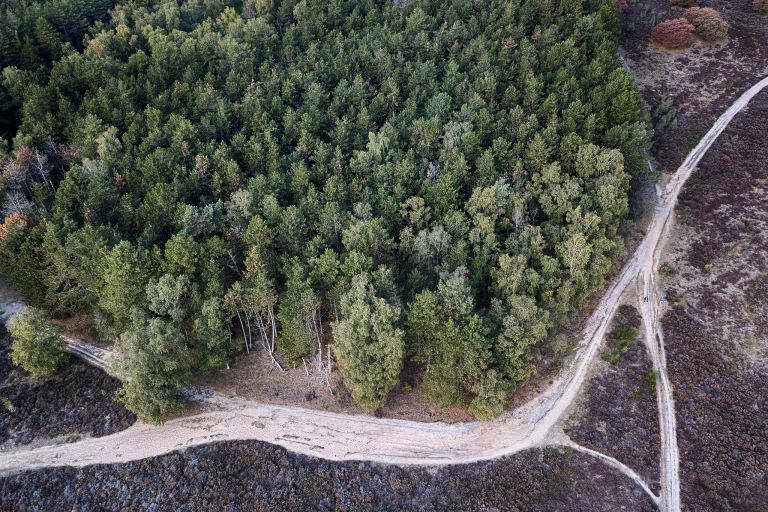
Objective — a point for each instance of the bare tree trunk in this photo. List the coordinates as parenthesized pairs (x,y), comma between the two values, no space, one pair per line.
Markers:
(262,330)
(327,371)
(245,338)
(250,336)
(320,344)
(273,324)
(234,264)
(318,337)
(269,345)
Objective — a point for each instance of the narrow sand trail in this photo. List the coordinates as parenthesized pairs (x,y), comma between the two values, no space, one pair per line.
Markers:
(629,472)
(652,309)
(357,437)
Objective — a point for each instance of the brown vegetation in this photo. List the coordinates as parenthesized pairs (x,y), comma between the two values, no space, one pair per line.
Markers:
(673,34)
(12,220)
(685,3)
(695,86)
(760,6)
(707,23)
(255,476)
(716,331)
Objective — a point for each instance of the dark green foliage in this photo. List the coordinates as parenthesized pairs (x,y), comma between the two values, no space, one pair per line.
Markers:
(37,344)
(23,260)
(624,333)
(272,152)
(453,345)
(156,359)
(124,278)
(298,316)
(212,334)
(34,34)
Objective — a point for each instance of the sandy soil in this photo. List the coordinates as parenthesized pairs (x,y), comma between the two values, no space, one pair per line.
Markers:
(253,377)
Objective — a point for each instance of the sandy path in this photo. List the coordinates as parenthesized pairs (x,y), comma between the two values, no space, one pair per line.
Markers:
(613,463)
(651,311)
(357,437)
(340,436)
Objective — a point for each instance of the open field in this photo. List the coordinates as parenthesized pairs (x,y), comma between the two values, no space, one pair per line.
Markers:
(716,330)
(260,477)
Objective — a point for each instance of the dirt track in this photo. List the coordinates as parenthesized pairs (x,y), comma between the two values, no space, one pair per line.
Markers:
(652,309)
(356,437)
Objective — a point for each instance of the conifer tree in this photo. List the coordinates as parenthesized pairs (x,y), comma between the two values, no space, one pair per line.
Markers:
(369,345)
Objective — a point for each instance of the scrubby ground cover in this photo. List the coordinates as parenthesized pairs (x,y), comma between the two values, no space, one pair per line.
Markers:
(717,329)
(259,477)
(690,89)
(617,413)
(77,400)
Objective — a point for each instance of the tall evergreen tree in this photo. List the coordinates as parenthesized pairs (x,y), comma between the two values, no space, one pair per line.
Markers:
(369,345)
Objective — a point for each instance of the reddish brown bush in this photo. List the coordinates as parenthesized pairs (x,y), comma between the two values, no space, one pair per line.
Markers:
(677,33)
(707,23)
(760,6)
(14,219)
(685,3)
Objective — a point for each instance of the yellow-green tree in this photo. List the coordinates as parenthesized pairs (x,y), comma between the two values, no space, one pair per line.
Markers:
(369,346)
(37,346)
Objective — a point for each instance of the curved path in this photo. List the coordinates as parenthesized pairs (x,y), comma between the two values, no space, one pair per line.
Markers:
(615,464)
(357,437)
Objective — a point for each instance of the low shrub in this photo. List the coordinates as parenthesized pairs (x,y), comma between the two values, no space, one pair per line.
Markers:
(650,378)
(673,34)
(685,3)
(613,353)
(625,333)
(707,23)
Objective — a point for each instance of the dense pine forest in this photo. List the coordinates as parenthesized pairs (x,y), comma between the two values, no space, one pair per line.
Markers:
(438,183)
(34,34)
